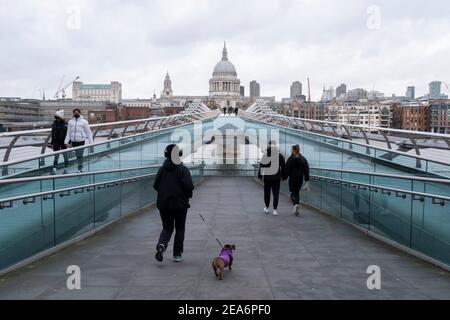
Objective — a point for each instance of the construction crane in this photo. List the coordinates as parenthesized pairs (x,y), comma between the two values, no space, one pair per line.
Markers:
(62,90)
(61,82)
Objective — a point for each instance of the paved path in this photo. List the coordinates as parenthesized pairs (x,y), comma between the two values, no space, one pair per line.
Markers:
(312,257)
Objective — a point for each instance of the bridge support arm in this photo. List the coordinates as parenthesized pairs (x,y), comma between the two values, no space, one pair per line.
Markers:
(11,145)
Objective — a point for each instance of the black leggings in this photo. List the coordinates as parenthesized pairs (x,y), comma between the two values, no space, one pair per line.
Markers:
(273,186)
(58,147)
(294,188)
(173,220)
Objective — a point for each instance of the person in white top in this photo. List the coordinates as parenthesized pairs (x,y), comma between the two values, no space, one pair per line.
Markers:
(78,132)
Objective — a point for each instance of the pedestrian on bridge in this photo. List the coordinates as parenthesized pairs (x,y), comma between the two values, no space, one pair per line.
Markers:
(175,187)
(59,132)
(78,132)
(297,169)
(271,172)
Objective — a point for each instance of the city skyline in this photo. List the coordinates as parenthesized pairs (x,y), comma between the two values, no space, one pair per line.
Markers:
(79,38)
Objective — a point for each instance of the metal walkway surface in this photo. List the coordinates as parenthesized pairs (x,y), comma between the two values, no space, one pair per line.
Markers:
(315,256)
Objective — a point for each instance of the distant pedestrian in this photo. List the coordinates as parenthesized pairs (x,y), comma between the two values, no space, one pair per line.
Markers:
(297,169)
(272,171)
(174,186)
(224,111)
(59,132)
(78,132)
(236,111)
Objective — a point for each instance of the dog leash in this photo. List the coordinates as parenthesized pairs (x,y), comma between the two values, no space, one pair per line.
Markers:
(211,231)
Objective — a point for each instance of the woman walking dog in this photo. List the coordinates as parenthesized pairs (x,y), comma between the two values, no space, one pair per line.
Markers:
(175,186)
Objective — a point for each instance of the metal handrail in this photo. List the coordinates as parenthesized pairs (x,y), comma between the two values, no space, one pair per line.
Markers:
(187,118)
(373,187)
(96,143)
(66,191)
(379,174)
(387,175)
(73,175)
(93,126)
(419,157)
(376,188)
(60,152)
(409,132)
(360,128)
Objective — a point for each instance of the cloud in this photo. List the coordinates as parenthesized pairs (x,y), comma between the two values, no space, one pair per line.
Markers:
(275,42)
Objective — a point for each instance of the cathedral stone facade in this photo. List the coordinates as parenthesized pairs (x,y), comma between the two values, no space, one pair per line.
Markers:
(224,91)
(224,86)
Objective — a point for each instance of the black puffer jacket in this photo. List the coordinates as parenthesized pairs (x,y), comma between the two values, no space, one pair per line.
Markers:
(174,185)
(297,168)
(266,173)
(59,131)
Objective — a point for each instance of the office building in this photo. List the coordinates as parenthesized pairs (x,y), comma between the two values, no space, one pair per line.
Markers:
(435,89)
(341,91)
(440,116)
(296,90)
(411,116)
(411,93)
(97,92)
(255,89)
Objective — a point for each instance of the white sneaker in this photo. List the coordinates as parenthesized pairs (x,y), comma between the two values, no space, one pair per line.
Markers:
(266,210)
(53,172)
(297,210)
(275,213)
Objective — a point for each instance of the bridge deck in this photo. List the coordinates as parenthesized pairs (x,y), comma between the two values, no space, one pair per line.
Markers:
(312,257)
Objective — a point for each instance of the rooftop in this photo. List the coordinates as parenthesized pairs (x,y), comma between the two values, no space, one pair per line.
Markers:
(95,86)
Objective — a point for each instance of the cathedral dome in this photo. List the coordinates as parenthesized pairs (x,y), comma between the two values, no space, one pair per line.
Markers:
(224,84)
(224,67)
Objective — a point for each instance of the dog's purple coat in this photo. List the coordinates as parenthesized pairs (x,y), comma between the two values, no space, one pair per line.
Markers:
(226,254)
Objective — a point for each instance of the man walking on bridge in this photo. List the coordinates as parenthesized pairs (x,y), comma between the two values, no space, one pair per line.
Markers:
(175,186)
(78,132)
(297,168)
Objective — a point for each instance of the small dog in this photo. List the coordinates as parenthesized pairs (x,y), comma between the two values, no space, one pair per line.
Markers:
(224,260)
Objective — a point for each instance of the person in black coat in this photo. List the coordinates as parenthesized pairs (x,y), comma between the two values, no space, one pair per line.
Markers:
(59,131)
(272,174)
(175,187)
(297,169)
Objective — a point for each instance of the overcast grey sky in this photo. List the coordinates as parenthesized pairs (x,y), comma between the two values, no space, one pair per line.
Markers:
(386,45)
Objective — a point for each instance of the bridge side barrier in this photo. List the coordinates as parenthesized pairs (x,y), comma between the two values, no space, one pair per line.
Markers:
(36,222)
(412,212)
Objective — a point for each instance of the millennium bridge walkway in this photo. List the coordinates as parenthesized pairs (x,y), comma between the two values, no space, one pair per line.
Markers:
(370,204)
